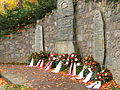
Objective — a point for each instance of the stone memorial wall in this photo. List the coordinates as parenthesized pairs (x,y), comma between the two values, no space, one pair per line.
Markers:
(98,34)
(17,48)
(97,30)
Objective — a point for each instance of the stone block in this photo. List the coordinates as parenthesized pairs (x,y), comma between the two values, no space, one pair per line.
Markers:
(64,47)
(64,35)
(98,38)
(65,22)
(38,38)
(65,8)
(80,37)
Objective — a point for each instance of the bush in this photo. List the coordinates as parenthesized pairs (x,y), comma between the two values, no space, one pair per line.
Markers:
(19,17)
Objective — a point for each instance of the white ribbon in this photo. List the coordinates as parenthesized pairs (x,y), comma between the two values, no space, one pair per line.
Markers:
(69,72)
(98,85)
(38,64)
(48,68)
(31,63)
(74,69)
(91,85)
(80,75)
(42,62)
(58,67)
(88,76)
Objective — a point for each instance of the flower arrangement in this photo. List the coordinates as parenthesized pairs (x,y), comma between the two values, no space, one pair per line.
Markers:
(86,67)
(104,75)
(65,62)
(52,60)
(61,61)
(37,56)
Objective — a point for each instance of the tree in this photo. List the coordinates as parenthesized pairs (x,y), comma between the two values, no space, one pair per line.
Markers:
(20,4)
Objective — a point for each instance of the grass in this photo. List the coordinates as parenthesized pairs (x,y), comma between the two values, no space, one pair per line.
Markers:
(16,87)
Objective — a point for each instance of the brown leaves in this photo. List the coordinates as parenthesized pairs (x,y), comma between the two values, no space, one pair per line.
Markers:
(59,84)
(3,82)
(2,70)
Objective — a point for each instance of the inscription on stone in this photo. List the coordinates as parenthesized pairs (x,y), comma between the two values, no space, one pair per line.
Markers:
(64,5)
(65,27)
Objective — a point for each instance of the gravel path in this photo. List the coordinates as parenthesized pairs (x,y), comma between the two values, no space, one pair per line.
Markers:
(42,80)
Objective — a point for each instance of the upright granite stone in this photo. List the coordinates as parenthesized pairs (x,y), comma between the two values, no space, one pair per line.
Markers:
(65,47)
(64,35)
(98,38)
(38,38)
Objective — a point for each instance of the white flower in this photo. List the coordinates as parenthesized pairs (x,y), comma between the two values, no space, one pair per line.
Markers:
(95,78)
(102,71)
(63,55)
(59,56)
(78,64)
(67,59)
(106,74)
(98,73)
(52,55)
(72,55)
(76,59)
(67,63)
(99,77)
(54,58)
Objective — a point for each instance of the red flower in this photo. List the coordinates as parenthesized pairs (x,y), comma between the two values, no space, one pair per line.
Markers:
(73,56)
(63,57)
(103,74)
(90,58)
(86,58)
(53,55)
(101,79)
(97,74)
(93,69)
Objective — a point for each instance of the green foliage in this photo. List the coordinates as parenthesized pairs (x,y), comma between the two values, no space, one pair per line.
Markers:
(37,56)
(16,87)
(101,0)
(19,17)
(114,88)
(48,5)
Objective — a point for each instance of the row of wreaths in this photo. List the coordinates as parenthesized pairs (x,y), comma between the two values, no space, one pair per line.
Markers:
(73,65)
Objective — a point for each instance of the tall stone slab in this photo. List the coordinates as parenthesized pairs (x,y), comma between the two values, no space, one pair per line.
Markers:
(38,38)
(65,26)
(98,37)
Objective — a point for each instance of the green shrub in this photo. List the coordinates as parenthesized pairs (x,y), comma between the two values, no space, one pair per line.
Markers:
(19,17)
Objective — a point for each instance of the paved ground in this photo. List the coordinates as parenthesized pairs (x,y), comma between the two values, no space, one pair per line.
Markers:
(42,80)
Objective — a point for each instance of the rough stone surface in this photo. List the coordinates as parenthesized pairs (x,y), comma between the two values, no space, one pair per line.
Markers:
(93,33)
(113,43)
(65,8)
(98,38)
(17,48)
(65,47)
(38,38)
(64,22)
(50,31)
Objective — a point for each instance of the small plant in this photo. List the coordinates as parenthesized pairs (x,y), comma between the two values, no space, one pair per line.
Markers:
(114,88)
(16,87)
